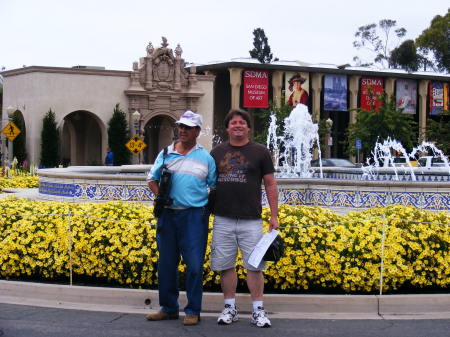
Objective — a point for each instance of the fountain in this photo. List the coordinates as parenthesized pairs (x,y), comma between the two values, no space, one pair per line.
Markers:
(300,136)
(374,185)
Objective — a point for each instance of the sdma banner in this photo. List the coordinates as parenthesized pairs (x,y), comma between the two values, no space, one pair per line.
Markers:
(406,96)
(436,97)
(371,89)
(335,93)
(256,89)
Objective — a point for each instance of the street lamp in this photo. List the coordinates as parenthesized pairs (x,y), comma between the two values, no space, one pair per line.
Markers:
(10,111)
(136,115)
(137,120)
(329,126)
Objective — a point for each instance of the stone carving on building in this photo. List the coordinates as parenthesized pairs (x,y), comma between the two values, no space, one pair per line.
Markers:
(159,84)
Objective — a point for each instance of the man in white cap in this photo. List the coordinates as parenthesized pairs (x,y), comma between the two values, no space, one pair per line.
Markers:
(182,228)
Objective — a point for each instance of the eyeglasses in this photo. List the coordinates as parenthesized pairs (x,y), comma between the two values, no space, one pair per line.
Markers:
(185,127)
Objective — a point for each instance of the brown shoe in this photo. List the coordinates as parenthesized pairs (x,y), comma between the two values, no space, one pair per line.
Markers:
(191,319)
(161,316)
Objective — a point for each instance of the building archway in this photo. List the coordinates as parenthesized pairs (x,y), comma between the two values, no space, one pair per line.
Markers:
(81,139)
(159,132)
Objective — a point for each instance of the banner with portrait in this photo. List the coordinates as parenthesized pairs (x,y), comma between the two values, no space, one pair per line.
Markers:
(297,88)
(335,93)
(371,90)
(256,89)
(406,96)
(436,97)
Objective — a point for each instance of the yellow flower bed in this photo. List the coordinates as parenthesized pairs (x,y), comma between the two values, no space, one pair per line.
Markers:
(16,178)
(323,250)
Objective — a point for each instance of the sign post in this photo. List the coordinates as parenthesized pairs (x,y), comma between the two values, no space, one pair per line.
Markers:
(358,147)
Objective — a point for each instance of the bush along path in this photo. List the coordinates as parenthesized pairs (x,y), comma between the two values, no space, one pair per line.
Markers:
(373,251)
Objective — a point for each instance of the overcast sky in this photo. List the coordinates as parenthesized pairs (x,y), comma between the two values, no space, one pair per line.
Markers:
(114,33)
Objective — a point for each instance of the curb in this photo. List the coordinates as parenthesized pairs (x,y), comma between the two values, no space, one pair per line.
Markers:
(278,305)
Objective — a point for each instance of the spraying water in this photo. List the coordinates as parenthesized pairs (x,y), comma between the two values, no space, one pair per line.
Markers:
(294,148)
(382,153)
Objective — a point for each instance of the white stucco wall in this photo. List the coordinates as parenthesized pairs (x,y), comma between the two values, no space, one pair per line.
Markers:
(206,109)
(93,91)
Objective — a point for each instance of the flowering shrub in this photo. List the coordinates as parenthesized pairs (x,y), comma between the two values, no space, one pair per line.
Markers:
(115,241)
(17,178)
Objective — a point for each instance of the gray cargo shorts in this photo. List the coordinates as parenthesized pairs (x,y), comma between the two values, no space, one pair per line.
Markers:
(229,234)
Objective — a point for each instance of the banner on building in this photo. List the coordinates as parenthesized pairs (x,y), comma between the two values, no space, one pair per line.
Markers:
(370,92)
(297,88)
(406,96)
(256,89)
(436,97)
(446,97)
(335,93)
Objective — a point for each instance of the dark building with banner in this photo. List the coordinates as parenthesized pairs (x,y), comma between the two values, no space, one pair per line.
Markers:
(329,91)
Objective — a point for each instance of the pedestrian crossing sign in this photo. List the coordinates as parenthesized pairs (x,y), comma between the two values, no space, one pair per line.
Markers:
(11,131)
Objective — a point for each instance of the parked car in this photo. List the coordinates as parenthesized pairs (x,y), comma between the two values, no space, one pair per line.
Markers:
(430,161)
(401,162)
(333,162)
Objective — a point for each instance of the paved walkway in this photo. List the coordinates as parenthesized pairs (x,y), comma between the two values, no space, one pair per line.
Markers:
(26,321)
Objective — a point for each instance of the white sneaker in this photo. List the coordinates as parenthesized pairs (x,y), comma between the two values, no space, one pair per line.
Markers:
(260,319)
(228,315)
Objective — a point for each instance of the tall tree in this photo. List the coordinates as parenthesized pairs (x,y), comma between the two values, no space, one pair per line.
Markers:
(377,38)
(405,56)
(261,48)
(436,39)
(378,124)
(118,136)
(19,148)
(49,141)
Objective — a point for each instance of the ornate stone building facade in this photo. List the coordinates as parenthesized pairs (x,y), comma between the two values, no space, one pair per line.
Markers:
(83,99)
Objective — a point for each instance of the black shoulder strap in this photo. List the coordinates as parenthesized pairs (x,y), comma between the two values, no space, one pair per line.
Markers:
(165,154)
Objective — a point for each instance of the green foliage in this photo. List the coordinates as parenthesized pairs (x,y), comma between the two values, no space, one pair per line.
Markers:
(436,39)
(379,124)
(49,141)
(19,149)
(438,131)
(118,136)
(377,39)
(405,56)
(261,48)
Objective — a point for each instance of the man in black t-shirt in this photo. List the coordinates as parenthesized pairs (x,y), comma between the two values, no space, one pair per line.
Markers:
(242,165)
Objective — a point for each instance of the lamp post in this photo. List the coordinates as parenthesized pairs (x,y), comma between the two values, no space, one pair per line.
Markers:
(136,115)
(10,111)
(329,125)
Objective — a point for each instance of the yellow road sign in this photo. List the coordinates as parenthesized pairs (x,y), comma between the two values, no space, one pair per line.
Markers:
(135,145)
(11,131)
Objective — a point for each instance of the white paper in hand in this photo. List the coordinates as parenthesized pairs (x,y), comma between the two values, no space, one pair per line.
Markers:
(261,247)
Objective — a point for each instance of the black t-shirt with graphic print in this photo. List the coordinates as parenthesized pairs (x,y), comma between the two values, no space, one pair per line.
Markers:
(240,170)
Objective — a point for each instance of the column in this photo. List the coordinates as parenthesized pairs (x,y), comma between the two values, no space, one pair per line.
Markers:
(353,92)
(389,86)
(277,84)
(423,92)
(235,83)
(316,85)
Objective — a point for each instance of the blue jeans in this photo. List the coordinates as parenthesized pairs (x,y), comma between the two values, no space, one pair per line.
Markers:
(181,233)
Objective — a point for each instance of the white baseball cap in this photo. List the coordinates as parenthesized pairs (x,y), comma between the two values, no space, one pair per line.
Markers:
(190,118)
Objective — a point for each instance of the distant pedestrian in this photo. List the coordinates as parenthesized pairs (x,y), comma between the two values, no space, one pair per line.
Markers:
(109,159)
